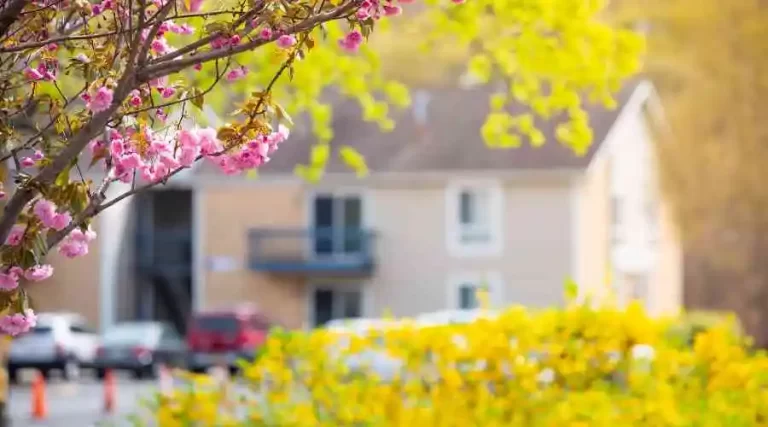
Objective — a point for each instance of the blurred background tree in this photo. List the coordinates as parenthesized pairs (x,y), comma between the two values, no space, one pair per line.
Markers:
(708,60)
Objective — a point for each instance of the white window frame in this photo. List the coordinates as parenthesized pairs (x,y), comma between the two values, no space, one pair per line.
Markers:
(455,246)
(493,279)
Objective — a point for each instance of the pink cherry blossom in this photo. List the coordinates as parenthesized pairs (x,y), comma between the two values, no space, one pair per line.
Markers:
(16,235)
(130,161)
(194,5)
(265,33)
(61,221)
(169,161)
(286,40)
(27,162)
(100,100)
(38,272)
(9,281)
(38,155)
(392,10)
(188,155)
(184,29)
(188,138)
(209,142)
(33,74)
(18,323)
(76,243)
(168,92)
(45,210)
(352,41)
(236,74)
(135,99)
(159,82)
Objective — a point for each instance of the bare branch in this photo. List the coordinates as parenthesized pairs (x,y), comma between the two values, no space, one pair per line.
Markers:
(33,45)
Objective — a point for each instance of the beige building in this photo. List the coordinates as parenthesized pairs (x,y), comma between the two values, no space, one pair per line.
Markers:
(440,216)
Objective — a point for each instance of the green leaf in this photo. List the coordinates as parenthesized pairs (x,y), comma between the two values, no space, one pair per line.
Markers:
(352,158)
(215,27)
(282,115)
(197,98)
(571,290)
(62,178)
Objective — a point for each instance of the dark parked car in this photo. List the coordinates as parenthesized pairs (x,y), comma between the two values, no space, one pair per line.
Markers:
(220,338)
(141,348)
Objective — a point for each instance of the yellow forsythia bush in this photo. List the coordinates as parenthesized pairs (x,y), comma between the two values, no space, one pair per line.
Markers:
(574,366)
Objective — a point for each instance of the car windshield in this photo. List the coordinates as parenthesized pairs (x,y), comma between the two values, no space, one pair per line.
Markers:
(133,333)
(212,323)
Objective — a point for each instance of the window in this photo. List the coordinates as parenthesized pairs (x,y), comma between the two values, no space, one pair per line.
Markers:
(651,211)
(465,290)
(617,211)
(338,224)
(637,287)
(474,221)
(468,296)
(474,218)
(330,303)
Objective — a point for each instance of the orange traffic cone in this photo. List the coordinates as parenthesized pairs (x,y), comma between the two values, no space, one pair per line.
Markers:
(109,392)
(39,402)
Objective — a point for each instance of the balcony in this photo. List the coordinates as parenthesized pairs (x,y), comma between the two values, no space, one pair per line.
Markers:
(312,252)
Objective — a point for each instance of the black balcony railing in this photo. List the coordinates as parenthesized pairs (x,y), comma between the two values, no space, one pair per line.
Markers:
(318,251)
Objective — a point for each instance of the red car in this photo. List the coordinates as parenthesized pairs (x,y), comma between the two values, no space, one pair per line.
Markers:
(221,338)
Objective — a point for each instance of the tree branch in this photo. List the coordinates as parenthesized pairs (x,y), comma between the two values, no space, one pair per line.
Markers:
(32,45)
(89,212)
(10,14)
(172,66)
(203,41)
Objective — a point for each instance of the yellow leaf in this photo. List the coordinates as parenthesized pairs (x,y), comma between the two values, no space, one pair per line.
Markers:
(352,158)
(319,154)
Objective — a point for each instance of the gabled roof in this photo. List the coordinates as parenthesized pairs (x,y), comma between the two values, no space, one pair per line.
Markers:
(448,140)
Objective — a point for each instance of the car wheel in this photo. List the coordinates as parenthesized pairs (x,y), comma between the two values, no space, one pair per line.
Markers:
(101,373)
(13,376)
(70,371)
(138,374)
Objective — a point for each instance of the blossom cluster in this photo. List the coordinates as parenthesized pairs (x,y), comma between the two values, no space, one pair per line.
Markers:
(135,149)
(571,366)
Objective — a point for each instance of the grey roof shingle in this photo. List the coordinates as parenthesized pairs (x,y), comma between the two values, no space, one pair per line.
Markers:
(450,141)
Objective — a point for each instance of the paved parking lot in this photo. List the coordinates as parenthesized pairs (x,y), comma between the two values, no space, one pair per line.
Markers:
(79,404)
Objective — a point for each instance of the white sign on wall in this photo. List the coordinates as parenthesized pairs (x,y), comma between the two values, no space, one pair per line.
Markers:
(222,264)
